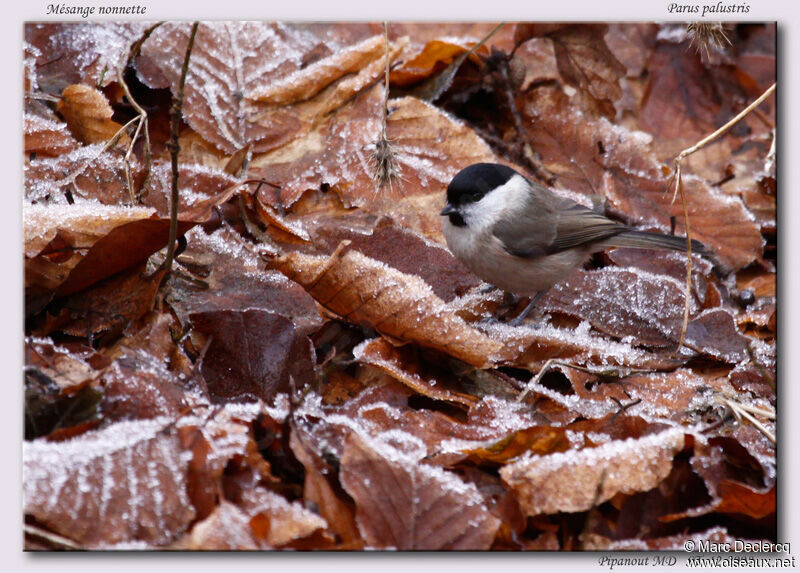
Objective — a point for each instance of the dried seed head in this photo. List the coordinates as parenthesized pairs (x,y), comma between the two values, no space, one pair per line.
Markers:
(706,35)
(384,164)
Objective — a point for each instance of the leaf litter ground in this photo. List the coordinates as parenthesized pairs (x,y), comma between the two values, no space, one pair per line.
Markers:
(317,371)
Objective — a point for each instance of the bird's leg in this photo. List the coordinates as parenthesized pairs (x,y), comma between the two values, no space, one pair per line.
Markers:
(521,316)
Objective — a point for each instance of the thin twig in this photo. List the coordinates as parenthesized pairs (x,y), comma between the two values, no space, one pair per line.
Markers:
(174,149)
(741,411)
(687,294)
(54,538)
(679,191)
(555,362)
(706,140)
(141,117)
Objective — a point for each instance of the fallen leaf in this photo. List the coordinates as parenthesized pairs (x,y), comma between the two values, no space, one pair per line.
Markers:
(577,481)
(366,292)
(46,136)
(226,529)
(584,60)
(252,354)
(406,505)
(400,365)
(88,115)
(122,483)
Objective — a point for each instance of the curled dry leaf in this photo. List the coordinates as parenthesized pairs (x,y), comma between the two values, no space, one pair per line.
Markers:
(123,483)
(227,275)
(226,529)
(233,61)
(70,249)
(276,522)
(88,115)
(368,293)
(577,481)
(338,512)
(434,57)
(403,250)
(401,366)
(407,505)
(57,239)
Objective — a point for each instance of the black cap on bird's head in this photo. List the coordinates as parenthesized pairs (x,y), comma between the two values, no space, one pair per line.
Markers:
(473,182)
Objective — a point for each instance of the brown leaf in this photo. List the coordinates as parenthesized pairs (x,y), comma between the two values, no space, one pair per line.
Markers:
(44,136)
(137,386)
(123,483)
(400,364)
(110,305)
(585,61)
(407,505)
(541,440)
(88,114)
(576,481)
(368,293)
(434,57)
(93,243)
(226,529)
(219,104)
(403,250)
(740,498)
(80,52)
(685,99)
(338,513)
(253,354)
(277,522)
(227,278)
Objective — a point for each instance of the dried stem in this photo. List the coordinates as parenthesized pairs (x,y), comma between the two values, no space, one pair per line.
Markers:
(555,362)
(679,190)
(174,149)
(57,540)
(744,411)
(142,118)
(383,156)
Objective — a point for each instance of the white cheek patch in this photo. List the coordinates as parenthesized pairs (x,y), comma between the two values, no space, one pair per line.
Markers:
(512,197)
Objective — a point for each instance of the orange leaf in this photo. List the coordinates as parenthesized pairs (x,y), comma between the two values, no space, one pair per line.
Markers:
(88,114)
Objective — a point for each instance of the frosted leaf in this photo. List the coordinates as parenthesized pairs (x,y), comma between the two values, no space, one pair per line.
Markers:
(276,521)
(407,505)
(123,483)
(398,364)
(85,223)
(83,52)
(365,291)
(429,145)
(46,136)
(226,529)
(229,61)
(576,481)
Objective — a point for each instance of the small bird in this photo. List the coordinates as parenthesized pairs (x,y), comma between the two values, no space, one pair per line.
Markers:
(522,238)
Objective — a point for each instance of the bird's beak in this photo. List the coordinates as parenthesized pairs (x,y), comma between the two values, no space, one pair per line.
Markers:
(448,209)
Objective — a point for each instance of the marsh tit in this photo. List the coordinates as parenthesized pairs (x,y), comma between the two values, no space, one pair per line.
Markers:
(522,238)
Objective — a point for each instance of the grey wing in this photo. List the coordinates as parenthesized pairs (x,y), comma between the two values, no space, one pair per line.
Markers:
(532,228)
(547,224)
(579,225)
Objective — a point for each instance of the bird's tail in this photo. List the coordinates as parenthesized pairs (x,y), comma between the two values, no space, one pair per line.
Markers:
(644,240)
